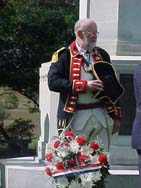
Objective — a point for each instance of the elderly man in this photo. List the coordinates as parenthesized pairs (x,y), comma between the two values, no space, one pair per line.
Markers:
(71,74)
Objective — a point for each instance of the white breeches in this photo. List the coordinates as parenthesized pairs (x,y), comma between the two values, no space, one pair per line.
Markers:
(85,122)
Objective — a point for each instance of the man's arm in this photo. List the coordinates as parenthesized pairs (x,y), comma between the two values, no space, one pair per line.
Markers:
(58,79)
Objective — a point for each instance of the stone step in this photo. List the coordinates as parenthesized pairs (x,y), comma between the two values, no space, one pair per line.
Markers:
(123,155)
(29,174)
(121,152)
(123,179)
(29,177)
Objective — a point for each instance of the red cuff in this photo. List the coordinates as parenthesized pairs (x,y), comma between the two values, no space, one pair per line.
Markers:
(79,86)
(118,112)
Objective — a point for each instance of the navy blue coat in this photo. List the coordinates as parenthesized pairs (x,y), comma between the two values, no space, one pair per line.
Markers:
(136,130)
(58,81)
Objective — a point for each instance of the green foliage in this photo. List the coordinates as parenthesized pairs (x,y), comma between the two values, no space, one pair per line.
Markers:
(11,101)
(21,129)
(33,144)
(16,135)
(29,33)
(3,113)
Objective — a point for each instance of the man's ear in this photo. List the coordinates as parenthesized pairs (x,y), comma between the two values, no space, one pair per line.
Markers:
(80,34)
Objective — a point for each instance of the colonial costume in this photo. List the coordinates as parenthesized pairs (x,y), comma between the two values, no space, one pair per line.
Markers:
(88,113)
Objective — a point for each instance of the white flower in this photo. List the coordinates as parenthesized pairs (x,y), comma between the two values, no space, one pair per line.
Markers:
(91,176)
(74,147)
(86,150)
(86,183)
(49,148)
(57,159)
(93,159)
(75,184)
(63,182)
(68,149)
(63,152)
(96,176)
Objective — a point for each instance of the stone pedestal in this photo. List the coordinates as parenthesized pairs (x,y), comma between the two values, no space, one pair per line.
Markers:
(118,25)
(105,13)
(27,173)
(48,102)
(108,16)
(120,145)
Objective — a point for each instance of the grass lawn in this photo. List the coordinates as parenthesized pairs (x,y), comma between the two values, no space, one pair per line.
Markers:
(20,112)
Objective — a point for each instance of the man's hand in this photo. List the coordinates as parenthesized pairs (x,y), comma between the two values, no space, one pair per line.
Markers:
(116,126)
(93,85)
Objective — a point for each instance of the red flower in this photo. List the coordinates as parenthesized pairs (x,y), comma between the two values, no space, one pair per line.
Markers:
(56,144)
(48,171)
(102,158)
(81,140)
(71,162)
(94,145)
(83,157)
(59,165)
(69,133)
(78,157)
(78,153)
(49,157)
(65,144)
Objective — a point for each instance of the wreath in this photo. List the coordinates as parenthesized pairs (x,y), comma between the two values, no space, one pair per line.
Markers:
(75,162)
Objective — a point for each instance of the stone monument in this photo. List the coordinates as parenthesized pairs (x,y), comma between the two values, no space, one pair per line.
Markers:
(48,111)
(119,26)
(119,33)
(115,20)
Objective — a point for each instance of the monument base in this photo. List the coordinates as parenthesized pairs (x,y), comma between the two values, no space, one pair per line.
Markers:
(121,153)
(28,173)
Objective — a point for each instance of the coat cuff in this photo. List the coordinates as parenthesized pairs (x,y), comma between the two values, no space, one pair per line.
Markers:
(114,111)
(118,112)
(79,86)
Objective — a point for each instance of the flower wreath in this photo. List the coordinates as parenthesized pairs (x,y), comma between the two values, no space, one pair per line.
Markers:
(76,163)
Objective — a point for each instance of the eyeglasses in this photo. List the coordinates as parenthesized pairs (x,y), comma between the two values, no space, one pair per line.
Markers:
(89,34)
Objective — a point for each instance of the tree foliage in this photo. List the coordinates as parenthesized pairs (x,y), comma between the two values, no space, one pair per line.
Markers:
(11,101)
(30,31)
(21,129)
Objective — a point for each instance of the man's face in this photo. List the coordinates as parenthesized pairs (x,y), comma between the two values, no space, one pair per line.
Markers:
(89,36)
(89,40)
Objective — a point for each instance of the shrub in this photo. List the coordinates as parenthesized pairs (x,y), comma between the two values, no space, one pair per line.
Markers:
(21,129)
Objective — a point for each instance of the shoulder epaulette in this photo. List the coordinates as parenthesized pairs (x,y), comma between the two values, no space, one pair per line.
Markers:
(56,55)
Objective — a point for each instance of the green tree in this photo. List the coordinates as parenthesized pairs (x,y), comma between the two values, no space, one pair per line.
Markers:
(3,114)
(30,31)
(21,129)
(11,101)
